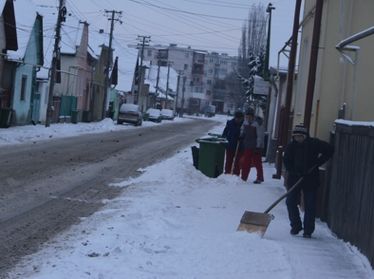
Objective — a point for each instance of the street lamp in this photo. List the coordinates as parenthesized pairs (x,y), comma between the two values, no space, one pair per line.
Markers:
(269,9)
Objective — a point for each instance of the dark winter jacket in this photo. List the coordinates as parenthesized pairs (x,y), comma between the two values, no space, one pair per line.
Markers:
(232,133)
(299,158)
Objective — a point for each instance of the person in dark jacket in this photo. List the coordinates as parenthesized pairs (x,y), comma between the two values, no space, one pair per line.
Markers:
(302,158)
(232,133)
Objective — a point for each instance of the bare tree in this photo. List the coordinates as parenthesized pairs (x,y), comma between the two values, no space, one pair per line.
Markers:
(253,41)
(251,50)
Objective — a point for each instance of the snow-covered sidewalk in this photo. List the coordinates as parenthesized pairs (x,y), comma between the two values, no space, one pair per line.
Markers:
(173,222)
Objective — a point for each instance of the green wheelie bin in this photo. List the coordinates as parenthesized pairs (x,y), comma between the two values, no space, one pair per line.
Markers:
(211,156)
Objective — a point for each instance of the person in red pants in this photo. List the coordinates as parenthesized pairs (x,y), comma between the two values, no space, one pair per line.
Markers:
(232,133)
(257,154)
(249,137)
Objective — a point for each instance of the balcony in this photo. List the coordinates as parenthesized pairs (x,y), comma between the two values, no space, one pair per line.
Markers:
(198,69)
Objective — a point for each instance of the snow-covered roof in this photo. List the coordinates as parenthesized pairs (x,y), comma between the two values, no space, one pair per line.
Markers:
(25,15)
(151,78)
(96,40)
(355,123)
(126,65)
(71,34)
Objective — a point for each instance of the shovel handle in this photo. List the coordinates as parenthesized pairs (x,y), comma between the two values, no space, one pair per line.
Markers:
(289,191)
(284,195)
(235,155)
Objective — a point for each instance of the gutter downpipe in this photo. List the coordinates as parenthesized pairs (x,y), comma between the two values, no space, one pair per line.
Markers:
(283,137)
(358,36)
(344,45)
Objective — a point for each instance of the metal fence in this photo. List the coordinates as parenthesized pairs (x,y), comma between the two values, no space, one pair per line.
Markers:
(349,197)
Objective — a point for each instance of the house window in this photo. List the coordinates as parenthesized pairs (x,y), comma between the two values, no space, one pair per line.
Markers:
(23,88)
(185,66)
(186,54)
(209,82)
(149,52)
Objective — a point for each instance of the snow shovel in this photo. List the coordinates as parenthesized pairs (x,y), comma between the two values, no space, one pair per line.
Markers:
(234,159)
(256,222)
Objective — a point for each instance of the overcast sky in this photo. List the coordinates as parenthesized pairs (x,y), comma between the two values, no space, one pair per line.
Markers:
(216,28)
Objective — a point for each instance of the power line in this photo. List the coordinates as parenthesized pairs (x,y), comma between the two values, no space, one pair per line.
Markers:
(186,12)
(188,22)
(217,4)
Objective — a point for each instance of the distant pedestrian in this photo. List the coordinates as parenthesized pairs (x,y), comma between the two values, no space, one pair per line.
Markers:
(233,148)
(302,157)
(249,138)
(257,154)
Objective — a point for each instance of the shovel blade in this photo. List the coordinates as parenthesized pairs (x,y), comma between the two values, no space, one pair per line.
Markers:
(255,222)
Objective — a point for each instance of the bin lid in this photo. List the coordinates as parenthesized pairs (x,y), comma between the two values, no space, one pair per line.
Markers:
(213,140)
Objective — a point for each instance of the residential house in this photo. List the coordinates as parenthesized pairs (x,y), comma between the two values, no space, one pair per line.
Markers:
(79,94)
(126,62)
(21,65)
(344,85)
(8,41)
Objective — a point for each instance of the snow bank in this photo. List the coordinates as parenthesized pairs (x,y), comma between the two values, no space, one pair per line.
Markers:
(30,133)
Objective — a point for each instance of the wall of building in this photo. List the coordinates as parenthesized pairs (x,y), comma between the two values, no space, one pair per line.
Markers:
(337,81)
(25,75)
(198,86)
(2,45)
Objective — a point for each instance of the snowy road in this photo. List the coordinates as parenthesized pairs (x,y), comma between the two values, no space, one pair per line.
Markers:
(173,222)
(47,185)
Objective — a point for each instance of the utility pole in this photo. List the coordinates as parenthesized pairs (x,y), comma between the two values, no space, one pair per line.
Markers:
(269,9)
(61,17)
(112,18)
(158,75)
(183,90)
(285,116)
(144,41)
(167,85)
(178,85)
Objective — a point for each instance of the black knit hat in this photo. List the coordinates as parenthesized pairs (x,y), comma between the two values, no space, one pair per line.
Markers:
(238,114)
(300,130)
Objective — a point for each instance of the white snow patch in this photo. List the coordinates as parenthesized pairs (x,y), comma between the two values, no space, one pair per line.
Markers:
(355,123)
(31,133)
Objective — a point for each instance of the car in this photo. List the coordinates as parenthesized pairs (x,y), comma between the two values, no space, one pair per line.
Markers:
(130,113)
(167,114)
(210,111)
(154,115)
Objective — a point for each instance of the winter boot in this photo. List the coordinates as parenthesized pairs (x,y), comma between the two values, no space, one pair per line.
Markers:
(295,231)
(307,235)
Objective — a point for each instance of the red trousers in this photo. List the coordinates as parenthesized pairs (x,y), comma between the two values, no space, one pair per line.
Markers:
(230,154)
(257,163)
(251,158)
